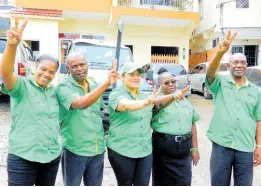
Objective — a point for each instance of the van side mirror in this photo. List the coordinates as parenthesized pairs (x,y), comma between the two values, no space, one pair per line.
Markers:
(150,75)
(63,68)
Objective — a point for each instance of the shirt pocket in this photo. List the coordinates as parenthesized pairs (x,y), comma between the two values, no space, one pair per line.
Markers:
(186,111)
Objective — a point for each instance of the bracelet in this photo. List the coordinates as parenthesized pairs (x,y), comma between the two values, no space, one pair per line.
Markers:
(194,149)
(258,146)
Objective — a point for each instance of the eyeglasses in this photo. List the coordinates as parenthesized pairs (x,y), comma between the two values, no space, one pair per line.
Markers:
(167,83)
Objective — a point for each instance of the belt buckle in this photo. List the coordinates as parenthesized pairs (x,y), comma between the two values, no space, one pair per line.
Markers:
(178,138)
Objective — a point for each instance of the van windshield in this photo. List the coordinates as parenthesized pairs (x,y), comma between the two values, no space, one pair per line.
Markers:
(2,45)
(100,57)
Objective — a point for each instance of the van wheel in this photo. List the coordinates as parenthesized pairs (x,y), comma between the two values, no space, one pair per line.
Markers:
(206,93)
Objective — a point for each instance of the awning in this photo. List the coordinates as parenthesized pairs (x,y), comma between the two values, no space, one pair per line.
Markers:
(246,33)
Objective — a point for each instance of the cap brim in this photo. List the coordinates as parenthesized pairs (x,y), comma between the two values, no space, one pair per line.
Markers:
(141,70)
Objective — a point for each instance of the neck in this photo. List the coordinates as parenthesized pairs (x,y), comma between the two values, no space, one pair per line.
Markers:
(81,82)
(133,91)
(239,79)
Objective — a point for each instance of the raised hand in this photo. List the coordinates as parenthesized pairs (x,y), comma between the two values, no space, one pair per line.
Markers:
(14,35)
(224,45)
(113,74)
(152,99)
(181,95)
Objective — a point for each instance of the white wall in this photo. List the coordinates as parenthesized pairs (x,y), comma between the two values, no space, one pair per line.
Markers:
(44,31)
(242,17)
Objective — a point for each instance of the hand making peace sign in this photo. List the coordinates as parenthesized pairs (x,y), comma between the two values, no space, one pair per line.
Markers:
(15,33)
(224,45)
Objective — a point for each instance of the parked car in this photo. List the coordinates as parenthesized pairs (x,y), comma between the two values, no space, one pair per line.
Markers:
(197,78)
(177,70)
(24,59)
(253,74)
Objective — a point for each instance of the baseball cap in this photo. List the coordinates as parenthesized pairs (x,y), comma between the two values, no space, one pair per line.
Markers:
(130,67)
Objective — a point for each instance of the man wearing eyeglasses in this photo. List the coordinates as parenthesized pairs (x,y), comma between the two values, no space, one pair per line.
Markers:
(235,126)
(174,139)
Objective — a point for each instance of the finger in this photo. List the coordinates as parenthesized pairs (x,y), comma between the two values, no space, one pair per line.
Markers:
(159,91)
(228,34)
(234,36)
(9,34)
(22,27)
(114,65)
(16,22)
(184,91)
(14,33)
(154,90)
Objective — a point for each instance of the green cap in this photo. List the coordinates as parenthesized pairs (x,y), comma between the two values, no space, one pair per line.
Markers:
(130,67)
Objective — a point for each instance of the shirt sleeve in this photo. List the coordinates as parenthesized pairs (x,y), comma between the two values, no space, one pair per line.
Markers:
(195,117)
(66,96)
(215,86)
(257,111)
(115,98)
(18,89)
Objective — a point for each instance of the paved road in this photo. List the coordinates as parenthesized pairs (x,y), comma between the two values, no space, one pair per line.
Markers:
(200,173)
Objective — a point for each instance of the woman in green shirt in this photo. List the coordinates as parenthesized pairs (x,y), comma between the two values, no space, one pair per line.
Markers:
(34,150)
(129,136)
(174,139)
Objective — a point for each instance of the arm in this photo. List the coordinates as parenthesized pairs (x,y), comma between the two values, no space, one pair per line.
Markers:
(164,101)
(194,151)
(8,59)
(223,47)
(87,100)
(194,136)
(257,153)
(126,105)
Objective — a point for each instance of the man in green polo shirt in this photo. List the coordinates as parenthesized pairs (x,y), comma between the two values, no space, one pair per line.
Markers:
(81,125)
(235,126)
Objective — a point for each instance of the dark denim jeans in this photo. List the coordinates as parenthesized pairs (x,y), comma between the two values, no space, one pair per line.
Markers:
(22,172)
(130,171)
(171,161)
(224,159)
(76,167)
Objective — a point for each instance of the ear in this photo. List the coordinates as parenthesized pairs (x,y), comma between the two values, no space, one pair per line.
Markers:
(67,67)
(228,65)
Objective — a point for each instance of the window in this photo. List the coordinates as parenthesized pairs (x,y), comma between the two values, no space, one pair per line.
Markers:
(237,49)
(196,70)
(215,42)
(3,2)
(202,69)
(242,3)
(200,4)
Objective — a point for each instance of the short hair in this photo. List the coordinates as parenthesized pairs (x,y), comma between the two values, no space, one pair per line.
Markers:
(74,54)
(162,70)
(48,57)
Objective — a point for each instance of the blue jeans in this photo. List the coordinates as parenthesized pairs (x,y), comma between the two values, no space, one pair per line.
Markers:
(22,172)
(76,167)
(224,159)
(130,171)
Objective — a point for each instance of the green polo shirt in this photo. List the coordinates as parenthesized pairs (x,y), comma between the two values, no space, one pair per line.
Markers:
(129,133)
(81,130)
(35,121)
(236,113)
(175,119)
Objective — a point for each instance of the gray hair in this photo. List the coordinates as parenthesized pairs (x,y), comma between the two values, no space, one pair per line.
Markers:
(72,55)
(237,55)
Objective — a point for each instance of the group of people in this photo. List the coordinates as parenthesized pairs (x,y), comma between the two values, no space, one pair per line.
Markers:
(40,113)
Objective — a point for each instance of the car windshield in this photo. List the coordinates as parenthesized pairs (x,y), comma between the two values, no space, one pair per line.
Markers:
(100,57)
(174,69)
(2,45)
(255,77)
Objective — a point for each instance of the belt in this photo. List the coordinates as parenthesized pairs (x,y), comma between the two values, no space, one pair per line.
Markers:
(177,138)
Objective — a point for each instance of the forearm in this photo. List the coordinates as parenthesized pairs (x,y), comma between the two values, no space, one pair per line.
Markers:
(7,66)
(213,66)
(131,105)
(194,136)
(164,101)
(258,133)
(87,100)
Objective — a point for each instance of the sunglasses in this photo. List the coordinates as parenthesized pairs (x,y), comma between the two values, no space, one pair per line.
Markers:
(167,83)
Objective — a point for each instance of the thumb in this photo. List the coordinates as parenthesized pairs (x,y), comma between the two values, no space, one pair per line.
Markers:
(184,91)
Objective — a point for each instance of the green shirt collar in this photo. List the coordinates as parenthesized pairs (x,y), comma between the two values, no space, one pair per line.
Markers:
(231,80)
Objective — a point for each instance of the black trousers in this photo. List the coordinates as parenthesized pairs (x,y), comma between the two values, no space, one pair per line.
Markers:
(130,171)
(171,161)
